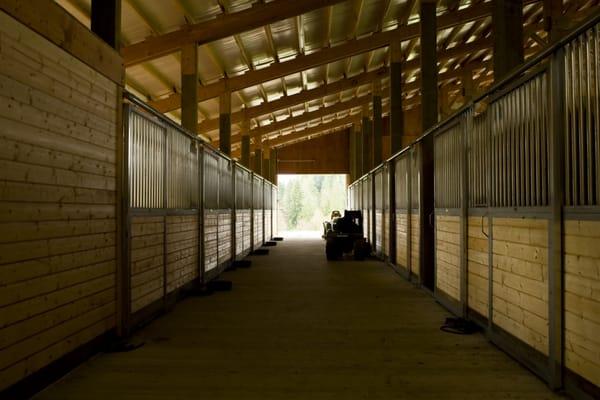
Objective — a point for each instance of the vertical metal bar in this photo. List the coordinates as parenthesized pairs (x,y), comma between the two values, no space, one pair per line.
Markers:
(580,130)
(125,266)
(555,256)
(589,187)
(165,161)
(466,122)
(596,97)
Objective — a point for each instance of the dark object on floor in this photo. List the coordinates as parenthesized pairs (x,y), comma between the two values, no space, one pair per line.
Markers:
(219,285)
(242,263)
(122,346)
(260,252)
(278,239)
(345,235)
(270,243)
(459,326)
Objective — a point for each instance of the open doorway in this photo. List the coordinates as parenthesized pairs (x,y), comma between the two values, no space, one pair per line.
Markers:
(305,201)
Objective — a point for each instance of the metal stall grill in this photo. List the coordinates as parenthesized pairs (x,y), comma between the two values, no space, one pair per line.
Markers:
(378,209)
(257,212)
(247,205)
(386,210)
(582,109)
(211,210)
(366,203)
(267,210)
(242,212)
(275,208)
(519,153)
(224,220)
(448,168)
(402,210)
(163,225)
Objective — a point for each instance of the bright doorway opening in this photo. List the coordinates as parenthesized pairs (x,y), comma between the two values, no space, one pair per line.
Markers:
(305,201)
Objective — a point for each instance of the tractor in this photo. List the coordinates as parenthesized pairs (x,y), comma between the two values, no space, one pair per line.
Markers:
(345,235)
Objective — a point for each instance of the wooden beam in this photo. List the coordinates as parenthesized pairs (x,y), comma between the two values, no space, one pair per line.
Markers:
(55,24)
(328,55)
(308,132)
(223,26)
(295,99)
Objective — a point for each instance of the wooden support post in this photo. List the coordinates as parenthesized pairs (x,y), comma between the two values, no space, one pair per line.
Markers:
(258,161)
(359,149)
(106,21)
(429,117)
(553,22)
(555,243)
(246,143)
(352,152)
(273,167)
(429,70)
(189,87)
(225,123)
(396,111)
(377,123)
(266,163)
(367,140)
(507,23)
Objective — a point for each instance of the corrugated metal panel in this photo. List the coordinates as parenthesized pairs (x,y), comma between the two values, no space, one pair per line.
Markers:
(401,181)
(146,162)
(211,180)
(448,165)
(225,184)
(582,107)
(520,146)
(478,160)
(182,171)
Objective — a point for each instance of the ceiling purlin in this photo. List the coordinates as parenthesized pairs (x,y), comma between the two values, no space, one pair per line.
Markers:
(304,62)
(357,13)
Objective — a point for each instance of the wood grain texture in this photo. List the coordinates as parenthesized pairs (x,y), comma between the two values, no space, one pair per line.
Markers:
(57,198)
(520,279)
(415,247)
(447,255)
(147,256)
(323,155)
(478,265)
(211,249)
(257,228)
(379,227)
(582,298)
(298,327)
(224,236)
(401,239)
(182,250)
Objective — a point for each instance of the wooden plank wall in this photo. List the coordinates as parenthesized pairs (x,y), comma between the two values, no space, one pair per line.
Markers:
(379,232)
(239,232)
(415,244)
(211,251)
(477,265)
(147,256)
(182,250)
(386,235)
(322,155)
(582,298)
(224,236)
(258,229)
(401,239)
(58,202)
(447,254)
(247,222)
(520,279)
(268,221)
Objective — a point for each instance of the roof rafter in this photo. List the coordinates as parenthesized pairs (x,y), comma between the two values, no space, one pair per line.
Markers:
(218,28)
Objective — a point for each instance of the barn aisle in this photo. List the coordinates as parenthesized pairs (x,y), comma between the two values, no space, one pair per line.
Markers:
(297,327)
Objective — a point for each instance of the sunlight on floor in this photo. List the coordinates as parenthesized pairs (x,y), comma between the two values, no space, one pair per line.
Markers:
(301,234)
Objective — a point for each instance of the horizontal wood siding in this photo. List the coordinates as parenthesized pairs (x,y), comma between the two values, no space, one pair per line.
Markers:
(379,232)
(258,228)
(415,244)
(478,265)
(247,218)
(401,239)
(240,216)
(268,221)
(386,234)
(582,298)
(147,249)
(182,250)
(57,202)
(211,224)
(520,279)
(447,255)
(224,235)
